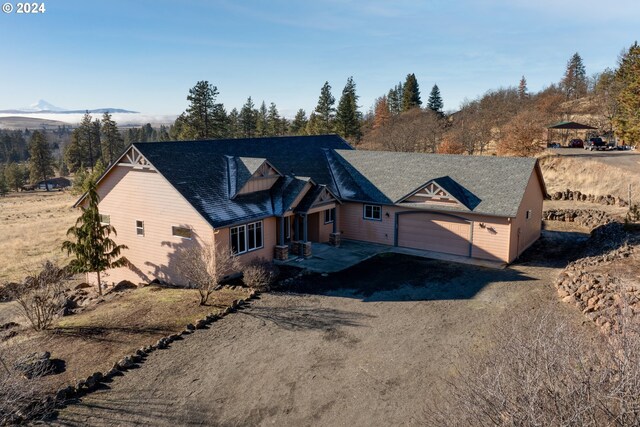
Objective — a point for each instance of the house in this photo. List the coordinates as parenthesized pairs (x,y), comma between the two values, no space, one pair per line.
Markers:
(269,197)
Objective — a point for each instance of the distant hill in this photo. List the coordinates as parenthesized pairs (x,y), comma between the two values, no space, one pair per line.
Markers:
(15,122)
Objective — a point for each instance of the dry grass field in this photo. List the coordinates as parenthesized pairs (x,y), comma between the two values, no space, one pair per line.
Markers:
(593,173)
(32,229)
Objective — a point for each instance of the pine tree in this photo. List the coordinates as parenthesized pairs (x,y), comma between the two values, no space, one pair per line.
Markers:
(84,144)
(62,168)
(233,124)
(15,176)
(574,82)
(435,100)
(274,122)
(523,91)
(394,99)
(411,93)
(92,246)
(204,118)
(111,141)
(347,116)
(627,118)
(248,118)
(299,124)
(41,160)
(4,187)
(325,112)
(261,121)
(312,124)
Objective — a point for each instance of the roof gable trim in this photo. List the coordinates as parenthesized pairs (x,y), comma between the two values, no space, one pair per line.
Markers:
(431,192)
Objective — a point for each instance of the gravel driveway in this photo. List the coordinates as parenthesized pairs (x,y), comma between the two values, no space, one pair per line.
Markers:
(363,349)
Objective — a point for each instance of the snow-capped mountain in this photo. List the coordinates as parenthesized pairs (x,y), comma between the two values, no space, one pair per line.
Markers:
(43,106)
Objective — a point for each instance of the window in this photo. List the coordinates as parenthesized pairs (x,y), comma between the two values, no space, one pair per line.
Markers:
(373,212)
(287,227)
(105,219)
(528,214)
(329,215)
(140,228)
(245,238)
(183,232)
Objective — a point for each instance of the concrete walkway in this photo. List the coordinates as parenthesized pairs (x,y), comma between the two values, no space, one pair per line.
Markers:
(329,259)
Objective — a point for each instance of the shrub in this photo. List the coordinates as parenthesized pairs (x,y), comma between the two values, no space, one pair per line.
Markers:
(41,297)
(259,274)
(204,266)
(541,372)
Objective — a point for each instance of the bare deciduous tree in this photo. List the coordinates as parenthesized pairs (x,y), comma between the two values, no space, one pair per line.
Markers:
(40,297)
(415,130)
(205,266)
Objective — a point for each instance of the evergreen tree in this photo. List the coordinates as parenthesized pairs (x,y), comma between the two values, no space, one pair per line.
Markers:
(325,111)
(41,160)
(627,117)
(15,176)
(163,134)
(204,118)
(62,168)
(86,143)
(299,124)
(435,100)
(411,93)
(4,188)
(261,121)
(394,99)
(92,245)
(348,117)
(523,91)
(312,124)
(574,82)
(233,124)
(111,141)
(248,118)
(274,122)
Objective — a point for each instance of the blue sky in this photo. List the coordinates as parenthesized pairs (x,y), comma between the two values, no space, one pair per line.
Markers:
(145,55)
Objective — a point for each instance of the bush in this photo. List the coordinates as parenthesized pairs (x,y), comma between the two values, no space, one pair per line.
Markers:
(541,372)
(41,297)
(259,274)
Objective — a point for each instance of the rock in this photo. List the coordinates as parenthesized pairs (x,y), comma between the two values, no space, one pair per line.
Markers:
(201,324)
(90,382)
(123,286)
(65,393)
(111,373)
(82,286)
(562,293)
(190,327)
(569,299)
(35,365)
(125,363)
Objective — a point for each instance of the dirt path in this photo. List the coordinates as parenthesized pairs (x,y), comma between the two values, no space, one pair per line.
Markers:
(360,353)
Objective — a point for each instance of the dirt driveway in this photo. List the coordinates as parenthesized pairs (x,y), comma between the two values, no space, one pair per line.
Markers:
(368,346)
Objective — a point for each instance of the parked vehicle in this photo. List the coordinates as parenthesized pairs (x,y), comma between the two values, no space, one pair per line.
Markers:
(595,144)
(576,143)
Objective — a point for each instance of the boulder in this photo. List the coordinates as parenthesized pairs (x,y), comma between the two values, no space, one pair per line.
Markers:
(125,363)
(201,324)
(82,286)
(123,286)
(35,365)
(190,327)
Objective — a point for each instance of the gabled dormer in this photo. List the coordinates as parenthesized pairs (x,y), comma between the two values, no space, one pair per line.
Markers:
(250,174)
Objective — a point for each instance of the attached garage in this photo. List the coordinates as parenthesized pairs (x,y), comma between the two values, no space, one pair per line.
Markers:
(434,232)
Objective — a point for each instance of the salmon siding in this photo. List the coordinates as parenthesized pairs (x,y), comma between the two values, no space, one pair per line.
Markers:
(254,195)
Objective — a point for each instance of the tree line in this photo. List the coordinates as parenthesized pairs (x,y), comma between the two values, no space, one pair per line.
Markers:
(511,120)
(205,118)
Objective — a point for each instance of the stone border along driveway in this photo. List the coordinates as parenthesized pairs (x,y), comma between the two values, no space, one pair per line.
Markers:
(85,387)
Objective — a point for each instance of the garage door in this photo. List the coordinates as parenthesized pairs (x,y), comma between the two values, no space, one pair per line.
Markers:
(433,232)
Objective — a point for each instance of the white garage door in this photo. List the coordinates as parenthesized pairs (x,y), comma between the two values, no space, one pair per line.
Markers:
(433,232)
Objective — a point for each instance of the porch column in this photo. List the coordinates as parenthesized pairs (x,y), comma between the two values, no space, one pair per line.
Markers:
(281,234)
(335,219)
(304,228)
(295,227)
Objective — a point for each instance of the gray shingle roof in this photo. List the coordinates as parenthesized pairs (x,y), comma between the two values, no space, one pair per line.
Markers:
(209,173)
(199,170)
(490,185)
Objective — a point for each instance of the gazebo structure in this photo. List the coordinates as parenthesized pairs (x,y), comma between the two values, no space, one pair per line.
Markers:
(565,128)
